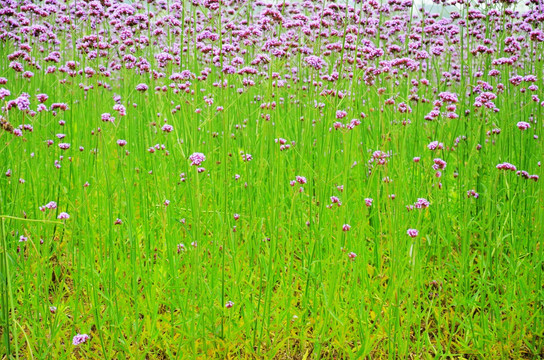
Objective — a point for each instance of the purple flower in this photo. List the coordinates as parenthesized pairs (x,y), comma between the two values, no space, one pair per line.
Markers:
(522,125)
(434,145)
(80,339)
(142,87)
(448,97)
(315,62)
(50,205)
(421,203)
(439,164)
(337,125)
(379,156)
(121,142)
(197,158)
(4,93)
(22,102)
(63,216)
(106,117)
(167,128)
(247,157)
(340,114)
(506,166)
(336,200)
(412,233)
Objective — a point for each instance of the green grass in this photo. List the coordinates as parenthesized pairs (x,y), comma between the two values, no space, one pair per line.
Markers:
(469,286)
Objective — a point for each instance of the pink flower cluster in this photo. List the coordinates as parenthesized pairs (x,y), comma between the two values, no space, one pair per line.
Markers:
(197,158)
(80,339)
(506,166)
(50,205)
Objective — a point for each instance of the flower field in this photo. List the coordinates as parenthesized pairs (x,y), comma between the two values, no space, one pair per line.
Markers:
(239,179)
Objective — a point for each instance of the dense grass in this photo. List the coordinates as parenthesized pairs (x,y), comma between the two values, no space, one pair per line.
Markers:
(468,285)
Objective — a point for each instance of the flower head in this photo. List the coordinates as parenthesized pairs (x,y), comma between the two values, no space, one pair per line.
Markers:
(197,158)
(412,232)
(167,128)
(80,339)
(435,145)
(522,125)
(247,157)
(63,215)
(141,87)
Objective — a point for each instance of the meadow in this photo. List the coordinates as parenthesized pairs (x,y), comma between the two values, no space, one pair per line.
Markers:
(238,179)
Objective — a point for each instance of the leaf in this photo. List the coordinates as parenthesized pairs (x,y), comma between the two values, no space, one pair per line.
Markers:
(370,270)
